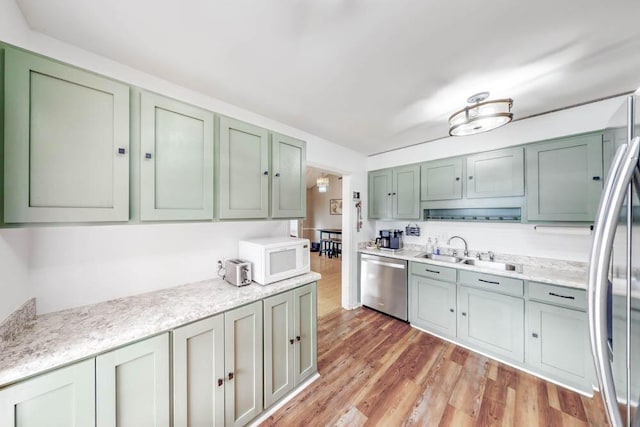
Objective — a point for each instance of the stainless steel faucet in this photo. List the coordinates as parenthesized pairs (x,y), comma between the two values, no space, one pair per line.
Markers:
(466,247)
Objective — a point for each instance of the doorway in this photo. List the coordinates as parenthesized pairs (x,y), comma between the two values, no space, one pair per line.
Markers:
(323,227)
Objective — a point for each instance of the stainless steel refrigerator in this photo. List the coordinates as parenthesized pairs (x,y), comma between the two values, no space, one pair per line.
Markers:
(614,273)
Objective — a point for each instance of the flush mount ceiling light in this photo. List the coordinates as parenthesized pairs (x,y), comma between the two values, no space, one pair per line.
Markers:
(323,184)
(480,116)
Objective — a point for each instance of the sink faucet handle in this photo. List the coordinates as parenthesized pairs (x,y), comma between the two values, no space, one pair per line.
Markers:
(478,255)
(491,256)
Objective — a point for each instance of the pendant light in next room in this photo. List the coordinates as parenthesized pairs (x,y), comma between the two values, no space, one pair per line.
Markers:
(480,115)
(323,184)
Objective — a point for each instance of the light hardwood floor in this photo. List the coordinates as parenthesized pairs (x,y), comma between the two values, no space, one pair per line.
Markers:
(329,287)
(376,370)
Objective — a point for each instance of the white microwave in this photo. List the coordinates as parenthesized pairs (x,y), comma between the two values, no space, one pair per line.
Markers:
(275,258)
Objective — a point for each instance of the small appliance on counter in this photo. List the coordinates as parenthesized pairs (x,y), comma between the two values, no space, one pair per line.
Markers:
(390,240)
(238,272)
(276,258)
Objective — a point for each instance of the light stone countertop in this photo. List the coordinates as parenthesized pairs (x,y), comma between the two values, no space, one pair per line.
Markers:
(572,274)
(56,339)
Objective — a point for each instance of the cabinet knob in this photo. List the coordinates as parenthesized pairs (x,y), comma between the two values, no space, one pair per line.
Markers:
(265,173)
(470,176)
(122,150)
(230,376)
(220,382)
(388,194)
(291,341)
(464,314)
(147,155)
(596,178)
(451,310)
(393,194)
(534,335)
(457,178)
(278,174)
(298,338)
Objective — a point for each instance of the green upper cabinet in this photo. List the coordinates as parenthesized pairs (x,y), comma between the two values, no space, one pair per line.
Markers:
(495,173)
(66,143)
(380,194)
(441,180)
(564,179)
(288,174)
(395,193)
(176,160)
(244,170)
(405,197)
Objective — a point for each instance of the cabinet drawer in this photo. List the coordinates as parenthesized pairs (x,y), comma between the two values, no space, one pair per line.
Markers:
(434,271)
(558,295)
(505,285)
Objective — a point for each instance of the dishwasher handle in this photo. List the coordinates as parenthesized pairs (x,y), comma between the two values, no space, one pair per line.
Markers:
(385,264)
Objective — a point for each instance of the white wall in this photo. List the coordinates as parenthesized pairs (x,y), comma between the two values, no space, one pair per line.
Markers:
(70,266)
(519,239)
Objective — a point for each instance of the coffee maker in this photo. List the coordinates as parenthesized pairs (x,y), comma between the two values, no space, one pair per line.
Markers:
(390,239)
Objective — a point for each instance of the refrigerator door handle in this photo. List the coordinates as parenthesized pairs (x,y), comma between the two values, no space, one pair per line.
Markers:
(604,232)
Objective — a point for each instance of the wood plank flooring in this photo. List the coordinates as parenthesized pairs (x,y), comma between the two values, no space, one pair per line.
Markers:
(376,370)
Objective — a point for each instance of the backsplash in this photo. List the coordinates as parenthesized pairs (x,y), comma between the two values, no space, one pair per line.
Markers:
(513,239)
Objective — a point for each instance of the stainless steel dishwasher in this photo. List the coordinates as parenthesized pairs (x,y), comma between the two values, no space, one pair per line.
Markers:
(383,283)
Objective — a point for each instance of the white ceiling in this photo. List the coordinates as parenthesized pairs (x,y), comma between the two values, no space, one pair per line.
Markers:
(368,74)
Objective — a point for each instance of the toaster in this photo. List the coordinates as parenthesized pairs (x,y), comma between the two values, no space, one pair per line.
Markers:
(238,272)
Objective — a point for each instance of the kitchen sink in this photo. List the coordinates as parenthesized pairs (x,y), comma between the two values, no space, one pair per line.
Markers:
(443,258)
(493,264)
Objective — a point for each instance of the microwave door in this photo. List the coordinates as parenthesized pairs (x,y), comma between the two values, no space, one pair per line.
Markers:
(280,262)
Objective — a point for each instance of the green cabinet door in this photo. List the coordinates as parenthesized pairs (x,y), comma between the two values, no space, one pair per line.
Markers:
(279,342)
(243,182)
(132,385)
(405,196)
(64,397)
(176,160)
(380,188)
(441,180)
(558,344)
(432,305)
(491,322)
(497,173)
(305,303)
(198,374)
(564,179)
(288,177)
(66,143)
(243,364)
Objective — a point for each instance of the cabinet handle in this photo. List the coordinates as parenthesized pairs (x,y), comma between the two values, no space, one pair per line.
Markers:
(553,294)
(298,338)
(457,178)
(291,341)
(220,382)
(488,281)
(464,314)
(470,177)
(265,173)
(393,194)
(278,174)
(147,155)
(388,194)
(451,310)
(431,271)
(596,178)
(534,335)
(122,150)
(230,376)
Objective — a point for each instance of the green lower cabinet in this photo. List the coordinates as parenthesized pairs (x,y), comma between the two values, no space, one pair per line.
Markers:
(62,398)
(492,322)
(243,362)
(558,344)
(432,305)
(198,373)
(290,341)
(132,385)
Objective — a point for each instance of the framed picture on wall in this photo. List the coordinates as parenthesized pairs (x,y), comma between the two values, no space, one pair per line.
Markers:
(335,206)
